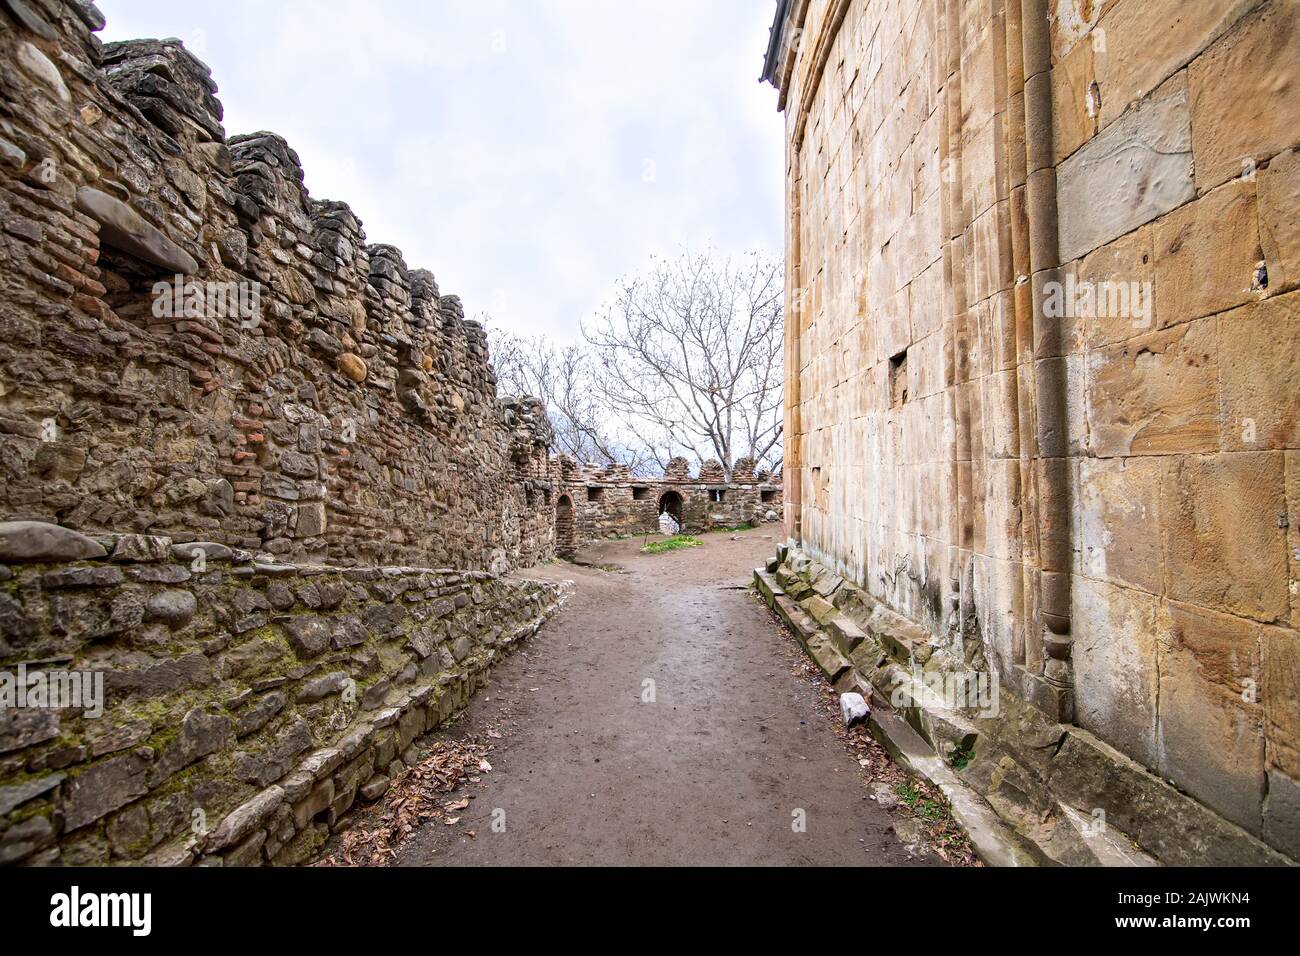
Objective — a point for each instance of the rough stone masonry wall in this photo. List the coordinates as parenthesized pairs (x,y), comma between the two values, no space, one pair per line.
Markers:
(321,451)
(354,420)
(1104,510)
(247,704)
(595,502)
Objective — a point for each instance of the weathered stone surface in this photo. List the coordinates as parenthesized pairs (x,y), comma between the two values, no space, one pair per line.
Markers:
(141,547)
(17,795)
(1282,814)
(171,607)
(308,635)
(36,541)
(210,551)
(353,366)
(23,839)
(1212,739)
(1156,393)
(374,788)
(1223,548)
(201,733)
(1133,171)
(1279,692)
(40,68)
(124,228)
(91,577)
(157,676)
(105,787)
(245,819)
(1117,670)
(1258,415)
(263,767)
(26,727)
(1206,254)
(1279,229)
(1242,94)
(322,687)
(259,714)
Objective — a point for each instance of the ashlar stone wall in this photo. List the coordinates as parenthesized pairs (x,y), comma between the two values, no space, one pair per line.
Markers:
(1043,358)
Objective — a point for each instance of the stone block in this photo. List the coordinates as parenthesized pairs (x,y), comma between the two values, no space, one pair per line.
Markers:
(316,802)
(1147,41)
(1156,394)
(1119,269)
(245,819)
(1279,227)
(309,635)
(1210,733)
(103,788)
(1279,693)
(37,541)
(1259,352)
(1206,254)
(1120,521)
(1133,171)
(1115,658)
(1241,110)
(1222,544)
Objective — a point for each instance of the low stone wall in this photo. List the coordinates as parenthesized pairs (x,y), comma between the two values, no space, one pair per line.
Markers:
(1067,796)
(246,704)
(596,502)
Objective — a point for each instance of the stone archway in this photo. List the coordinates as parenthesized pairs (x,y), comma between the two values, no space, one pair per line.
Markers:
(566,531)
(670,503)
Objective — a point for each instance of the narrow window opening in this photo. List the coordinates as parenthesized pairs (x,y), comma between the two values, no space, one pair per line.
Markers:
(898,380)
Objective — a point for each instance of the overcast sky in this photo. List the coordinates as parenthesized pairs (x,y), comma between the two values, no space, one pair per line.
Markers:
(527,152)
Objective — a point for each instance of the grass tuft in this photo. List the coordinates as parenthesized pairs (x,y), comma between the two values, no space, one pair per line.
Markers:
(675,543)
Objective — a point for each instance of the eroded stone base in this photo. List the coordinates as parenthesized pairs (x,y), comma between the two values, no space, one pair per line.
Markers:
(1071,798)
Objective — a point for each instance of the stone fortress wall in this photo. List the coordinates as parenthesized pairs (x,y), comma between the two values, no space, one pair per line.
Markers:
(272,501)
(1095,498)
(354,419)
(595,502)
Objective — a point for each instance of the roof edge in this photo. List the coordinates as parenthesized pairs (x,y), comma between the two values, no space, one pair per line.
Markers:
(772,61)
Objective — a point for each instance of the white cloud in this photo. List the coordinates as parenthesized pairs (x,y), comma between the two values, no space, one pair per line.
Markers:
(504,144)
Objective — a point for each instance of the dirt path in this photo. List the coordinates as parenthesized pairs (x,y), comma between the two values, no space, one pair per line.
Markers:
(712,772)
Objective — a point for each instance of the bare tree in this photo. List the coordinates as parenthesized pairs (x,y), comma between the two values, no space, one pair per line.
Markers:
(562,377)
(688,358)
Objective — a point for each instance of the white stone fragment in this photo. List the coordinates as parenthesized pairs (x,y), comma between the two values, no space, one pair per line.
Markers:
(853,709)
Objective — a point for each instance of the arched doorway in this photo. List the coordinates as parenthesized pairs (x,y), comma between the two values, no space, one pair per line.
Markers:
(566,533)
(670,504)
